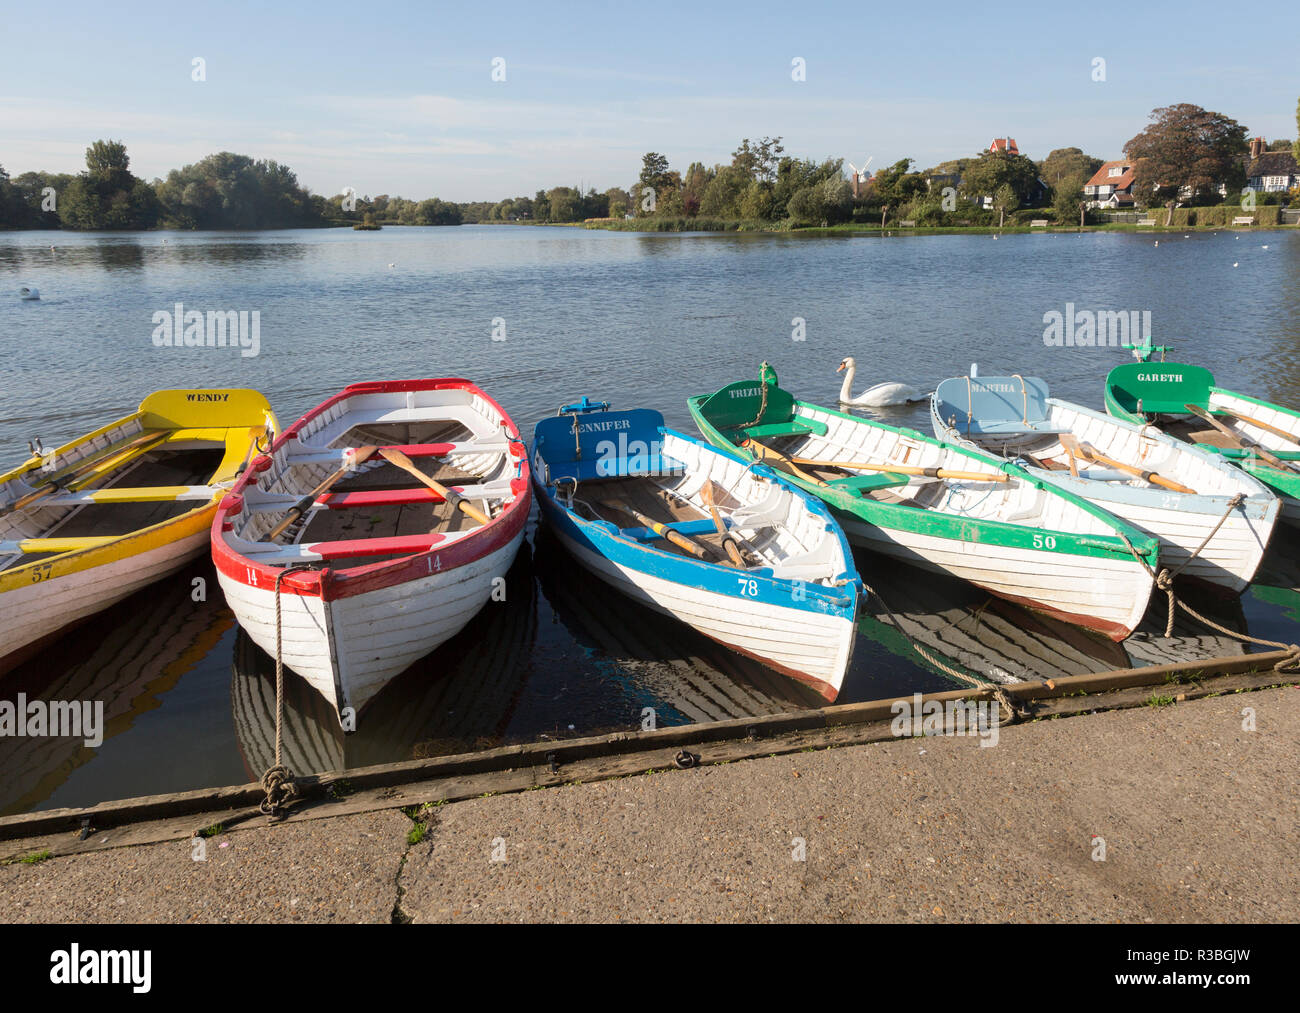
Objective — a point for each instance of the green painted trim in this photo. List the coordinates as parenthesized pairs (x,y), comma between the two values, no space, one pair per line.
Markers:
(891,516)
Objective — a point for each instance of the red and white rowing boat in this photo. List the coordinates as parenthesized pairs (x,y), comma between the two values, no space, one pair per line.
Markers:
(373,530)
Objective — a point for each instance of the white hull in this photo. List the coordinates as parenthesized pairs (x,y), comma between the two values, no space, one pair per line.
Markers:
(808,645)
(348,649)
(1180,521)
(1091,590)
(31,612)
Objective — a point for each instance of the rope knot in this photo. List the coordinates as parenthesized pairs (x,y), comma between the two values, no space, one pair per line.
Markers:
(281,791)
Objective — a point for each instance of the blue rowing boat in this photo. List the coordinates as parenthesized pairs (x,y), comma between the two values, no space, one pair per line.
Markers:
(725,546)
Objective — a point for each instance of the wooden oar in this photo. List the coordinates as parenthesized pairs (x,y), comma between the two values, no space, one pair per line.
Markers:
(676,537)
(762,452)
(1245,442)
(454,498)
(1089,453)
(361,455)
(897,469)
(87,472)
(1289,437)
(728,543)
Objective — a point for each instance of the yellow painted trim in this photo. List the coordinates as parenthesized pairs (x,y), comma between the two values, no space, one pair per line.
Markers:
(240,448)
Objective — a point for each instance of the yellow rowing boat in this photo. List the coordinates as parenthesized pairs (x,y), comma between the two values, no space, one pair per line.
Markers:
(83,526)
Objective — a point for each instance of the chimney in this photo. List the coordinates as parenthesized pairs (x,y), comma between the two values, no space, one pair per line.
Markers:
(1256,147)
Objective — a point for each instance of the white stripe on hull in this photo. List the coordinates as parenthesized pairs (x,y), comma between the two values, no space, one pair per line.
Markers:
(1113,589)
(33,611)
(813,643)
(349,648)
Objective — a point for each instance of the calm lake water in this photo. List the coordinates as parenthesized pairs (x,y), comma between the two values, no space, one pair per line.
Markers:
(638,320)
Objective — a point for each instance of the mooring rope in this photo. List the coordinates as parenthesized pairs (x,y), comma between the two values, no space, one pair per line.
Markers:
(762,404)
(278,781)
(1024,397)
(999,694)
(1165,582)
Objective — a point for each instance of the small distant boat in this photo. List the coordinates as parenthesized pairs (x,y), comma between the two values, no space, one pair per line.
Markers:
(944,507)
(1163,487)
(86,525)
(1258,436)
(727,548)
(372,560)
(29,294)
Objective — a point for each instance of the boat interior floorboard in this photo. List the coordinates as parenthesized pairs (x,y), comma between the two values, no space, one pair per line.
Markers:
(160,467)
(646,496)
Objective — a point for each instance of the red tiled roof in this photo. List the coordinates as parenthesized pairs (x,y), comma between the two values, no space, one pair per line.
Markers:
(1102,176)
(1007,144)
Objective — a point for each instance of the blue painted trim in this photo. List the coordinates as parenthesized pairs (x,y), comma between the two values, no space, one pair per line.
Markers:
(622,547)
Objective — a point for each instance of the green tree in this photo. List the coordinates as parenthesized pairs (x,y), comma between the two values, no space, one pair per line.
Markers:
(657,180)
(995,169)
(1068,201)
(1004,200)
(896,186)
(1066,163)
(106,195)
(1295,148)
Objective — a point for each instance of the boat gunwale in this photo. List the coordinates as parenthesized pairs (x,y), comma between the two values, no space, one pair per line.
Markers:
(331,584)
(125,545)
(868,510)
(601,533)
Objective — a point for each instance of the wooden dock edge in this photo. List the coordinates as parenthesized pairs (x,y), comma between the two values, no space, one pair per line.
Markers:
(154,818)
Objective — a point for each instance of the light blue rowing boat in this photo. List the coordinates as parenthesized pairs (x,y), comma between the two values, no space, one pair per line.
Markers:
(1213,521)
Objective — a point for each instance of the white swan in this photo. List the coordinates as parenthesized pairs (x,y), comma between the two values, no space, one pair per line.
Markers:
(880,396)
(28,293)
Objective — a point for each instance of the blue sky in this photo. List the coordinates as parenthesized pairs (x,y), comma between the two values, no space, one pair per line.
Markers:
(399,98)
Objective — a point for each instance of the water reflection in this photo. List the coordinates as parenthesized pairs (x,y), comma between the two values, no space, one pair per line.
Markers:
(458,698)
(127,658)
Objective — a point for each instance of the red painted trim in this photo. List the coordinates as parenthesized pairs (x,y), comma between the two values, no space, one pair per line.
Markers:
(331,584)
(375,546)
(377,497)
(1116,631)
(423,449)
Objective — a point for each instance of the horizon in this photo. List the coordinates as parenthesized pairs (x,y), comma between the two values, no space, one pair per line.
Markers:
(433,122)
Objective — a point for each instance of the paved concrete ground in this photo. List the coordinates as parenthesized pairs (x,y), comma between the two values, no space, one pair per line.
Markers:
(335,870)
(1200,819)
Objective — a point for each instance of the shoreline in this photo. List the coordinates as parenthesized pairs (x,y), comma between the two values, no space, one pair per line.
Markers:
(764,816)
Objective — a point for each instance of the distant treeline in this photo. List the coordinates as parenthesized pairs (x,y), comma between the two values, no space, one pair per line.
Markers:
(223,191)
(1187,156)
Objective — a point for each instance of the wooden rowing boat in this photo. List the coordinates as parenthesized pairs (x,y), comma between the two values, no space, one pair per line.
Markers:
(86,525)
(1164,487)
(1261,438)
(456,699)
(999,527)
(375,566)
(627,497)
